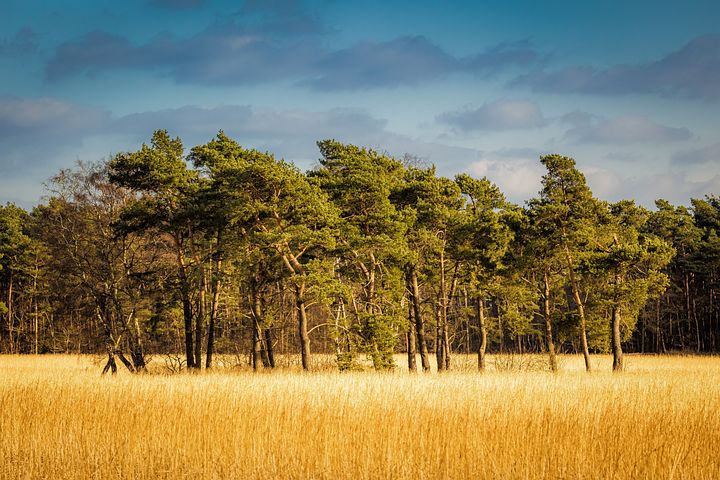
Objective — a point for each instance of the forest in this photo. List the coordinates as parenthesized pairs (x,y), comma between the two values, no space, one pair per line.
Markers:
(221,249)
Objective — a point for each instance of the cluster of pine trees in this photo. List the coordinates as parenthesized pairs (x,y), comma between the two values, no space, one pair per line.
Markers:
(230,250)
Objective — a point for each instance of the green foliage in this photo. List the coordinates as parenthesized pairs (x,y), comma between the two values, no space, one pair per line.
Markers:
(151,231)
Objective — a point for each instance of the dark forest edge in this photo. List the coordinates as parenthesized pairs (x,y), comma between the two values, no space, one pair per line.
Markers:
(226,249)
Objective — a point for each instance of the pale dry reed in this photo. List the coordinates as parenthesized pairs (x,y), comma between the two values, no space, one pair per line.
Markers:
(661,419)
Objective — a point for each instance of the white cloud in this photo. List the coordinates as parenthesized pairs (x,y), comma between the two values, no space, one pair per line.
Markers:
(516,172)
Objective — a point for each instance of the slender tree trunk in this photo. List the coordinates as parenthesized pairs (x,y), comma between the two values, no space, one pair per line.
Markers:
(444,358)
(302,326)
(200,319)
(35,304)
(135,344)
(269,348)
(548,324)
(419,323)
(215,287)
(445,336)
(187,307)
(10,313)
(110,365)
(616,340)
(410,337)
(482,346)
(126,362)
(256,307)
(580,308)
(439,345)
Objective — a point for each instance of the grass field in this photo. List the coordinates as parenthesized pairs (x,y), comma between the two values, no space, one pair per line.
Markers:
(661,419)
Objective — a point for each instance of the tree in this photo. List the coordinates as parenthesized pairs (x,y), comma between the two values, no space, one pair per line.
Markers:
(481,241)
(16,264)
(633,265)
(167,190)
(280,214)
(567,209)
(677,226)
(359,183)
(114,271)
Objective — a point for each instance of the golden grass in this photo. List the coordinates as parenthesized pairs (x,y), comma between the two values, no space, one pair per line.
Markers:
(661,419)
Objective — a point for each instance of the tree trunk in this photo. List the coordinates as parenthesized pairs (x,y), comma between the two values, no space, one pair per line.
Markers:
(215,287)
(616,340)
(580,308)
(256,307)
(444,358)
(439,345)
(136,353)
(200,319)
(548,324)
(269,348)
(302,326)
(136,347)
(187,307)
(110,365)
(419,323)
(35,303)
(483,333)
(410,337)
(10,321)
(445,336)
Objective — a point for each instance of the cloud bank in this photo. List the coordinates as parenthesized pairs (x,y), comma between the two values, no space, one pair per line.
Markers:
(693,71)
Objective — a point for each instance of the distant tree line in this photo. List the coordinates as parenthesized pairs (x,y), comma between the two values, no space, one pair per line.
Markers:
(224,249)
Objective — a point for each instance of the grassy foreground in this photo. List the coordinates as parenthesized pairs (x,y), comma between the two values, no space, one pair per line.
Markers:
(660,419)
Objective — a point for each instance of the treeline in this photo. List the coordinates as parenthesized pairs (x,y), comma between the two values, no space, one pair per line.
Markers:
(230,250)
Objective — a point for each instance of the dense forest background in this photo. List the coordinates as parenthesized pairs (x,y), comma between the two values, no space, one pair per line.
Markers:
(230,250)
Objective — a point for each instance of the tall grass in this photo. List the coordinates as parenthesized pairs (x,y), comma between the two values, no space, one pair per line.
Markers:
(661,419)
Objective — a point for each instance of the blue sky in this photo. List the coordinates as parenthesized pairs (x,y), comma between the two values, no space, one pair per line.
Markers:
(630,89)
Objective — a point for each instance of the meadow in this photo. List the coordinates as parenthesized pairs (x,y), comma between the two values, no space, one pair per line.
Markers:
(60,419)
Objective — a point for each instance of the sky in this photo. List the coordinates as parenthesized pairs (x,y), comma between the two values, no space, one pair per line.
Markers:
(630,89)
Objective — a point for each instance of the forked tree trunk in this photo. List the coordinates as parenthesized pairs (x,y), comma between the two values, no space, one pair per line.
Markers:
(110,365)
(548,324)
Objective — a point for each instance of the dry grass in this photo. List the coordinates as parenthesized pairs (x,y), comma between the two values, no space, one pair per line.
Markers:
(661,419)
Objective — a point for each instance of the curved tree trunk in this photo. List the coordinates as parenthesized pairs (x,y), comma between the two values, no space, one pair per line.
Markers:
(580,308)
